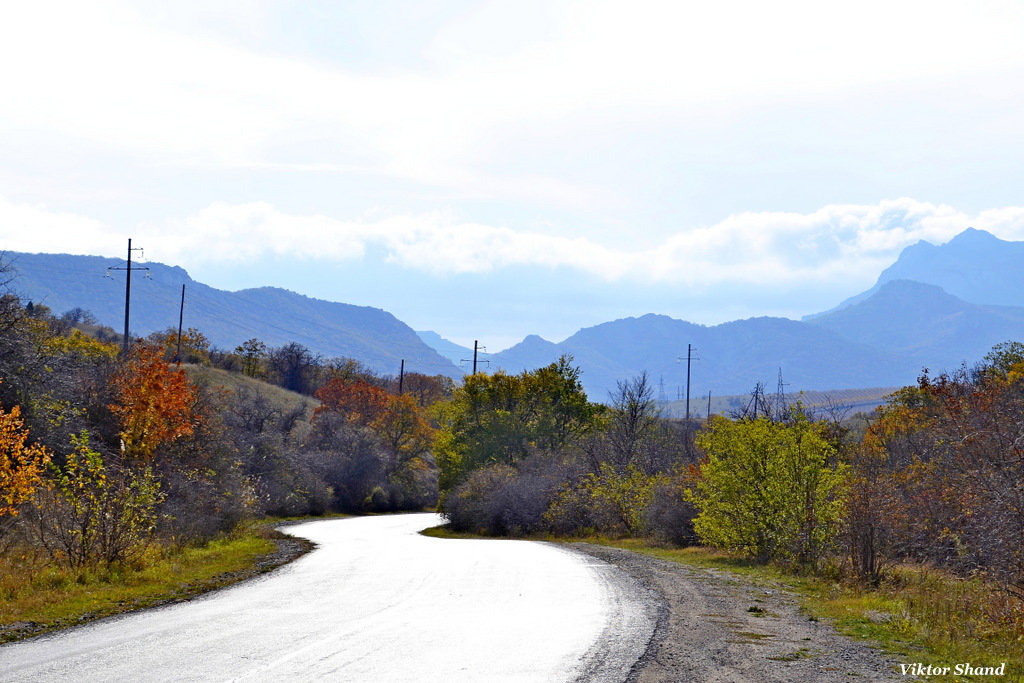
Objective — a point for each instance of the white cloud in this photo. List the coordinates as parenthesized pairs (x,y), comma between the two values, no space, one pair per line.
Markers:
(835,243)
(37,228)
(106,73)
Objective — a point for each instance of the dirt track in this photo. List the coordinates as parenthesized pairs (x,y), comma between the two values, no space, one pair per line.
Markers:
(715,626)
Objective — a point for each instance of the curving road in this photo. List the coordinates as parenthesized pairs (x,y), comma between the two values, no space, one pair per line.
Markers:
(375,601)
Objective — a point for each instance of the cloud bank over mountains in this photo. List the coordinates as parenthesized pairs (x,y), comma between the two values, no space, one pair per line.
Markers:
(835,242)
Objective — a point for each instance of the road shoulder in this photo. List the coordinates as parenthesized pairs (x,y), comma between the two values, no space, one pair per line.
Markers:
(720,627)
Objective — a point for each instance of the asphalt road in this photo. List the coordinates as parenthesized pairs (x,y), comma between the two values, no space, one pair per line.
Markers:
(375,601)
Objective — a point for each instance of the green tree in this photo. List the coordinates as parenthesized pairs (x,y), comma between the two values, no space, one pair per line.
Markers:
(1004,357)
(770,489)
(502,418)
(253,353)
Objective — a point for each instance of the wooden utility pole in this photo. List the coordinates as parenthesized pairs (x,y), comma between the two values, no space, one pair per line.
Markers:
(181,317)
(476,349)
(127,293)
(401,377)
(689,357)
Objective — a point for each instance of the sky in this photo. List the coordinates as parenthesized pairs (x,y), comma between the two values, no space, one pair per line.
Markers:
(489,170)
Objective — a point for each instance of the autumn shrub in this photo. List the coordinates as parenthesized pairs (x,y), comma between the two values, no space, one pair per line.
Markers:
(607,501)
(942,464)
(373,447)
(571,511)
(21,468)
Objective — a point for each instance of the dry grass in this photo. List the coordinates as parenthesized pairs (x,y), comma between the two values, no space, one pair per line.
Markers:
(280,398)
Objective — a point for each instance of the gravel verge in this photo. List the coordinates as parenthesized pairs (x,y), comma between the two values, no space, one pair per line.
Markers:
(716,626)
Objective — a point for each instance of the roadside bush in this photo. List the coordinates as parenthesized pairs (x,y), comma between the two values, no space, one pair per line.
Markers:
(939,476)
(201,504)
(669,515)
(571,513)
(91,511)
(607,502)
(770,489)
(468,507)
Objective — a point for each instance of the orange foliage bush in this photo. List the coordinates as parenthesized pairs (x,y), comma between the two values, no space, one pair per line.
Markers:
(155,404)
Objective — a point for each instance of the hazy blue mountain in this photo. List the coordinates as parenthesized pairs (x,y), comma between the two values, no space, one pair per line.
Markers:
(276,316)
(974,266)
(449,349)
(936,307)
(926,324)
(729,358)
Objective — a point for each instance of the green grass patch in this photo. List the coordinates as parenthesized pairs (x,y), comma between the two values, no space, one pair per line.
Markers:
(444,531)
(36,597)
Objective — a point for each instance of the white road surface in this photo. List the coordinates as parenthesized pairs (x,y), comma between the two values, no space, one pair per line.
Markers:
(375,601)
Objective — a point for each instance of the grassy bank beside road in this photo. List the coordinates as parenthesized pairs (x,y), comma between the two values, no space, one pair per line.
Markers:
(36,597)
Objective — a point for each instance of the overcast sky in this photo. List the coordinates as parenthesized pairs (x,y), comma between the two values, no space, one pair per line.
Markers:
(491,170)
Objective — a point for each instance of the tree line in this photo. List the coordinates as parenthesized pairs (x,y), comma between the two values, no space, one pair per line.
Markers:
(935,476)
(101,454)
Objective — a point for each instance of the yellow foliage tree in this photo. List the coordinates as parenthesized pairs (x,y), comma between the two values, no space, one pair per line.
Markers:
(21,464)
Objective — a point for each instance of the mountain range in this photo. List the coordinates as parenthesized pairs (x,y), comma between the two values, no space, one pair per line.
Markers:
(275,316)
(936,307)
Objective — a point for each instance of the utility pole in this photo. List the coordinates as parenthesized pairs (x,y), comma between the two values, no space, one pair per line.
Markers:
(689,351)
(127,292)
(689,357)
(401,377)
(476,348)
(181,317)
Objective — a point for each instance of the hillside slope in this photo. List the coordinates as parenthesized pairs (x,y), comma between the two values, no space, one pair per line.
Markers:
(276,316)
